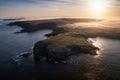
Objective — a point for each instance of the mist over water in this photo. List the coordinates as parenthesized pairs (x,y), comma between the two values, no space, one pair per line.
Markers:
(12,44)
(103,66)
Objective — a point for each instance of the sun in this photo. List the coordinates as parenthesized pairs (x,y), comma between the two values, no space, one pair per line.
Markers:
(97,7)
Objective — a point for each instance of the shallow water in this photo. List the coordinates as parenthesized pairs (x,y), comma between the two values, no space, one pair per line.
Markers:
(104,66)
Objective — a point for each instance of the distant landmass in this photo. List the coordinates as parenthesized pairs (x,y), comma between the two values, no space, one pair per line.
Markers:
(11,19)
(67,38)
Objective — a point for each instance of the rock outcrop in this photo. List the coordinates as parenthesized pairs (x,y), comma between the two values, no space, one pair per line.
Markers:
(60,47)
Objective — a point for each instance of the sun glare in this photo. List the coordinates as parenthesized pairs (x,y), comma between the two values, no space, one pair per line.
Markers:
(97,7)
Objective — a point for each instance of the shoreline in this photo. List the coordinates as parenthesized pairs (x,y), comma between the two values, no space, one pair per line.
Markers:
(65,40)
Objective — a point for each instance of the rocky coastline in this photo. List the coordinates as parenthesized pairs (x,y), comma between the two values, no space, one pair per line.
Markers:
(65,40)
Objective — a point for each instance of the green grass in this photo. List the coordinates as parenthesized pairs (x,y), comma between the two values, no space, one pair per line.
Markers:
(62,41)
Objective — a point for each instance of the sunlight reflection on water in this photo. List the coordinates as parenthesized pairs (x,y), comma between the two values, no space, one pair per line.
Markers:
(97,43)
(103,65)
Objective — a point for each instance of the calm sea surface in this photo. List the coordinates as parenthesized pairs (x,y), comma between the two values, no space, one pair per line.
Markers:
(104,66)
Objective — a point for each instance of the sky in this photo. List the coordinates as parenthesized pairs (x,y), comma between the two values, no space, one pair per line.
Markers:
(59,8)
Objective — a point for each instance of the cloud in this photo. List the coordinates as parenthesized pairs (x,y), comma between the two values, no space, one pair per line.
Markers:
(39,1)
(31,1)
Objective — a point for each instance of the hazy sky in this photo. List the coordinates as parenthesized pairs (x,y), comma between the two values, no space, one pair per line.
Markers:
(56,8)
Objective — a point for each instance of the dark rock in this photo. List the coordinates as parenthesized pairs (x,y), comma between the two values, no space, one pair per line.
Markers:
(41,49)
(58,55)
